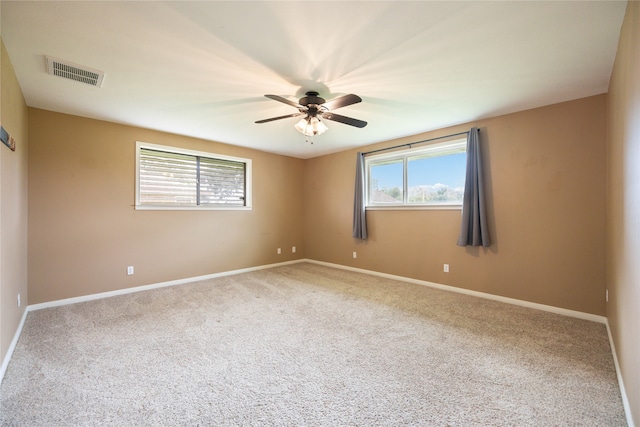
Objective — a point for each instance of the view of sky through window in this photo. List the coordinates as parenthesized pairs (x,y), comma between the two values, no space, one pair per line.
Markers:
(447,170)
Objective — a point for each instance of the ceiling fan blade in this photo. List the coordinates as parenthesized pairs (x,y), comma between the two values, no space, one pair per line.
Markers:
(343,119)
(280,117)
(285,100)
(342,101)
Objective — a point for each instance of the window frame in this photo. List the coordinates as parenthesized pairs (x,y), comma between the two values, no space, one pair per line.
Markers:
(176,150)
(404,155)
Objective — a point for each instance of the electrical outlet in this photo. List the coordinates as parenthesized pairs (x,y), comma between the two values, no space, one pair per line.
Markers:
(293,249)
(355,255)
(130,270)
(279,251)
(446,268)
(19,303)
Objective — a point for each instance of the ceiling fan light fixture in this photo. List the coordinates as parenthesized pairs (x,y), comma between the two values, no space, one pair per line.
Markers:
(310,126)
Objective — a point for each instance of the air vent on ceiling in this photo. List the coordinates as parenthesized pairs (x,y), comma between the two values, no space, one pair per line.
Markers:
(79,73)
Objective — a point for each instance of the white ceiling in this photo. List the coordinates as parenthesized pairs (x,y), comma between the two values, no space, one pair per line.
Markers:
(201,68)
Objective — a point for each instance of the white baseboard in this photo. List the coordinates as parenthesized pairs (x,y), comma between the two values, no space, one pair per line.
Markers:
(12,346)
(623,393)
(124,291)
(543,307)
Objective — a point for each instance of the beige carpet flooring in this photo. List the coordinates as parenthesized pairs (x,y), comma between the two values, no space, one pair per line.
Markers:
(308,345)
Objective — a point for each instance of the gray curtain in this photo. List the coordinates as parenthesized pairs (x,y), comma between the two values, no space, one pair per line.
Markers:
(473,231)
(359,214)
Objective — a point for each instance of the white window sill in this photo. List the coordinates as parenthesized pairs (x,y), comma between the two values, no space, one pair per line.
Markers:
(192,208)
(415,208)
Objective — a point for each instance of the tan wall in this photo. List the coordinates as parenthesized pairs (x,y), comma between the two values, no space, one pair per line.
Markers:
(545,175)
(84,231)
(13,206)
(623,203)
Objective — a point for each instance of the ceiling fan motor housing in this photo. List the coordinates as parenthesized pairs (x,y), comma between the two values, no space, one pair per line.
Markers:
(312,98)
(313,106)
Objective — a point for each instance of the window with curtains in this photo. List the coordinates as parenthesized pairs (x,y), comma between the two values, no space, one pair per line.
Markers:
(173,178)
(430,176)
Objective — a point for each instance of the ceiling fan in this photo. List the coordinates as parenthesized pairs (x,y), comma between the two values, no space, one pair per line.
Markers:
(313,107)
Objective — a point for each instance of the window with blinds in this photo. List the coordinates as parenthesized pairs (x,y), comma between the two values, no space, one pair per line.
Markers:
(171,178)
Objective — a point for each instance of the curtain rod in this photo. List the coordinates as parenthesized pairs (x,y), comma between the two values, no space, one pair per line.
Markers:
(417,142)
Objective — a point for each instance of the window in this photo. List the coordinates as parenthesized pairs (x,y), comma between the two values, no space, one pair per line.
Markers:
(430,176)
(173,178)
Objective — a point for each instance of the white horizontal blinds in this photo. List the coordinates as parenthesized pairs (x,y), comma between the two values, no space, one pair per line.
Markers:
(175,179)
(167,179)
(442,150)
(222,182)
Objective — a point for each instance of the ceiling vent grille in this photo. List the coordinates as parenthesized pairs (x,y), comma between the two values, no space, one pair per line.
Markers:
(79,73)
